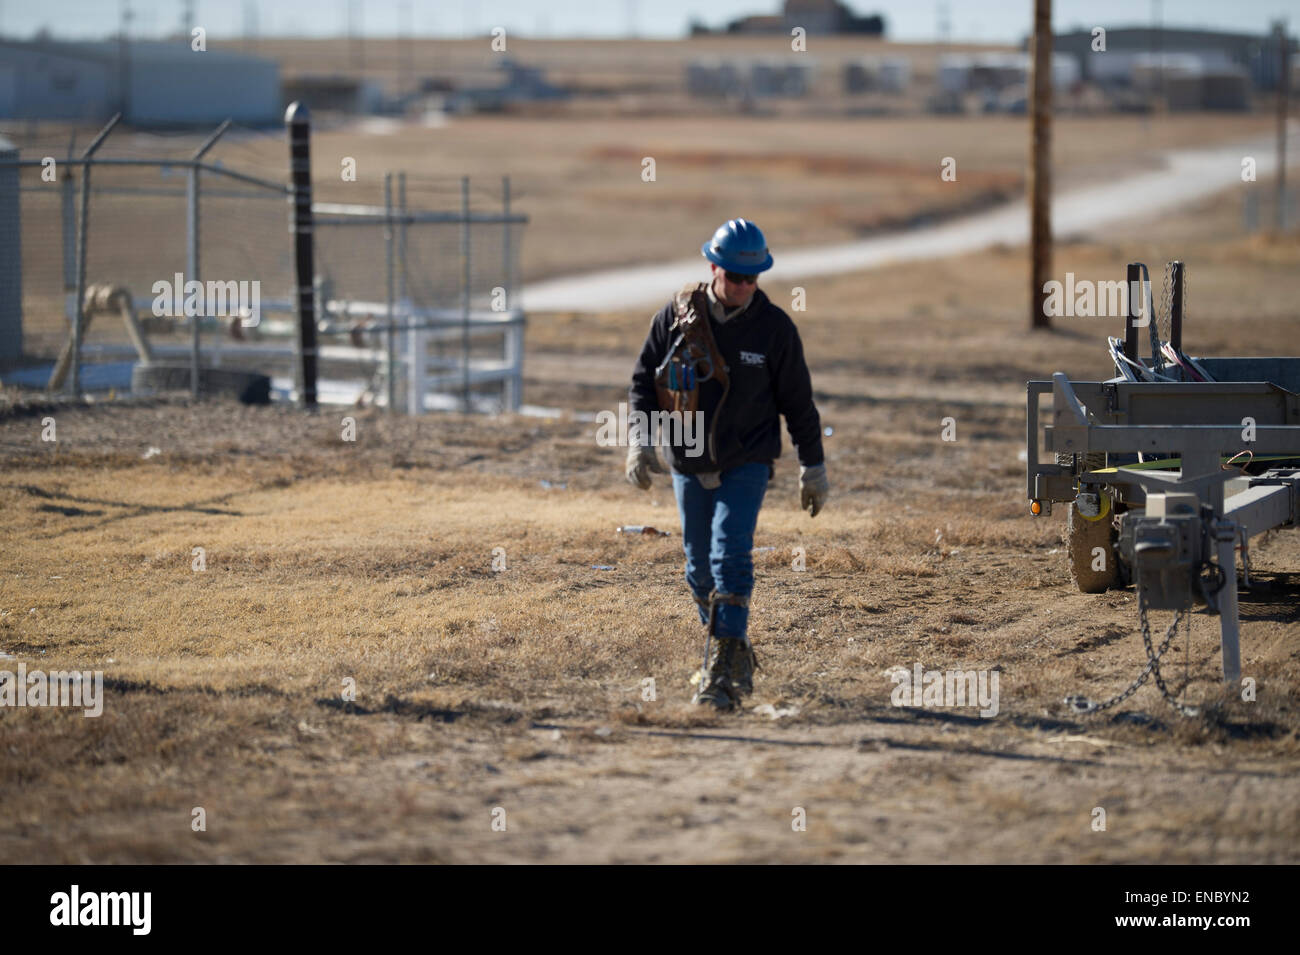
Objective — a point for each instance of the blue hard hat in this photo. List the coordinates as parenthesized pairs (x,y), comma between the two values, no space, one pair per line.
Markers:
(738,246)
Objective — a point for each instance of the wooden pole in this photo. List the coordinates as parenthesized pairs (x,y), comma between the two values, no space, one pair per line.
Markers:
(1040,154)
(1283,93)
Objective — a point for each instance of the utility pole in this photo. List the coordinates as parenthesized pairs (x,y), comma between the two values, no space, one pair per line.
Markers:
(1283,97)
(1040,170)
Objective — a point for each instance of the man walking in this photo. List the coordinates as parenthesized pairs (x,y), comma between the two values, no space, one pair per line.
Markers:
(724,349)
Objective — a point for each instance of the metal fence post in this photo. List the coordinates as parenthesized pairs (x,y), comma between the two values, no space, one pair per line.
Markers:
(1176,307)
(506,250)
(69,208)
(417,345)
(1283,93)
(417,349)
(512,388)
(391,333)
(401,237)
(79,314)
(512,391)
(298,119)
(11,254)
(192,267)
(1136,305)
(464,291)
(192,245)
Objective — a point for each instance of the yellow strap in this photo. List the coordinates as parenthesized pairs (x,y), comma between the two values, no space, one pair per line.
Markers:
(1176,463)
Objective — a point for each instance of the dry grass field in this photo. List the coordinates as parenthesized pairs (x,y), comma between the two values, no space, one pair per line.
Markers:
(521,689)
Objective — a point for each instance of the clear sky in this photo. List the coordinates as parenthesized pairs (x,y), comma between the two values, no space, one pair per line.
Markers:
(1005,21)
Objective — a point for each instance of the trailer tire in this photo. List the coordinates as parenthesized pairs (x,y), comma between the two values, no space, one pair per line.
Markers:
(1082,537)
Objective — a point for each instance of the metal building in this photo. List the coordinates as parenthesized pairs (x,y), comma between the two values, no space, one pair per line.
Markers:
(151,83)
(1257,54)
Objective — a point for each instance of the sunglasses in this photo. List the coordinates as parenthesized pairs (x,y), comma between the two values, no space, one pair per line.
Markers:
(735,278)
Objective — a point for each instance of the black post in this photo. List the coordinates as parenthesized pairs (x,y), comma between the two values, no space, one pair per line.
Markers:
(298,119)
(1176,308)
(1136,300)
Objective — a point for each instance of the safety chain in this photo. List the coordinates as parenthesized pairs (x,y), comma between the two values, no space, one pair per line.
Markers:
(1155,322)
(1154,661)
(1166,318)
(1082,705)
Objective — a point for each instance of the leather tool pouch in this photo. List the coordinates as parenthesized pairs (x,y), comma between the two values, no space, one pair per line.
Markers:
(693,355)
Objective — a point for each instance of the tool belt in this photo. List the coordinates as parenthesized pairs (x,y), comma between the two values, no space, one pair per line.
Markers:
(693,355)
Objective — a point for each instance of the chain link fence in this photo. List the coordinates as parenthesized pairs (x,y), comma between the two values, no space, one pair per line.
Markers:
(415,292)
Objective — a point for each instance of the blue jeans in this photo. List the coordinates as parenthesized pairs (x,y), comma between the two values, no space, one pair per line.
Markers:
(718,537)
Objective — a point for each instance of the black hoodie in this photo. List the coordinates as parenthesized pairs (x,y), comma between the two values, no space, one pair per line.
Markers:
(768,378)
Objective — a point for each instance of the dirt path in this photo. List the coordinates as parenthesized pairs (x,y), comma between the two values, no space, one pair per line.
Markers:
(1182,178)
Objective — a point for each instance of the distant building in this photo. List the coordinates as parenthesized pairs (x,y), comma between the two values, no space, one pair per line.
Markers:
(995,72)
(758,79)
(889,74)
(814,16)
(152,83)
(713,78)
(519,84)
(778,78)
(343,94)
(1255,55)
(1216,89)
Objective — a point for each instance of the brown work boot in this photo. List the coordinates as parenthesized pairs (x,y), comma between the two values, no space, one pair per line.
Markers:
(745,665)
(716,684)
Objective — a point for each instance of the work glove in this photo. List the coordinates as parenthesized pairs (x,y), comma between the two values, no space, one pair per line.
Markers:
(813,488)
(641,460)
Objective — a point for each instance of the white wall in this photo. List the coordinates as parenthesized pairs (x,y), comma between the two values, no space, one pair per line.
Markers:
(202,87)
(47,85)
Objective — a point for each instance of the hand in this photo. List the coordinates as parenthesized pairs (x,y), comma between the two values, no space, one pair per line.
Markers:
(813,489)
(641,460)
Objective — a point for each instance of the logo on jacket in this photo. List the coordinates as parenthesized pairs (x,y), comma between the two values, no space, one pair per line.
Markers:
(752,358)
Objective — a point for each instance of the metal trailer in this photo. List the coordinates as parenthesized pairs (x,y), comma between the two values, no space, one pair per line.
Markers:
(1168,469)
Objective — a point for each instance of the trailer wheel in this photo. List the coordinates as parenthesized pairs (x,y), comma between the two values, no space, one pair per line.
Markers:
(1083,536)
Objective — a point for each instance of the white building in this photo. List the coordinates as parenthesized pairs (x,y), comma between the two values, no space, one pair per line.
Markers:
(960,72)
(152,83)
(877,74)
